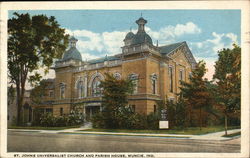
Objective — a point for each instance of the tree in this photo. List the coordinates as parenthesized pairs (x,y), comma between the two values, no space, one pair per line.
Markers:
(38,92)
(195,93)
(115,99)
(32,42)
(228,80)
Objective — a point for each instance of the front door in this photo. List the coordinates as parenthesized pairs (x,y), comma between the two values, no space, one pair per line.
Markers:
(90,111)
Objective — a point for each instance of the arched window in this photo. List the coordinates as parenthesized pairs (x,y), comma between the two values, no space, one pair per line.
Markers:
(96,90)
(80,89)
(154,83)
(134,77)
(62,90)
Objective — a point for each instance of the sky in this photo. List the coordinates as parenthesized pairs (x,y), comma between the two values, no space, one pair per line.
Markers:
(101,32)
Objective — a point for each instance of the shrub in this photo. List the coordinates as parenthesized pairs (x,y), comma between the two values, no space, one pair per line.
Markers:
(48,120)
(128,120)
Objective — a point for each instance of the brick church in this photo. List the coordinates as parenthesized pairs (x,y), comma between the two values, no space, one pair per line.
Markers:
(155,70)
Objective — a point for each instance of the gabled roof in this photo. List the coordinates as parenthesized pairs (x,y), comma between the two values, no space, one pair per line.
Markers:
(101,60)
(166,50)
(169,48)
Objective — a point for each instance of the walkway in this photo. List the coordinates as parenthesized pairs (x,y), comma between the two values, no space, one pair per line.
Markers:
(210,136)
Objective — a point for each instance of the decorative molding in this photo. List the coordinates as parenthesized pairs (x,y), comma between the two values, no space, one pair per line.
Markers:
(96,74)
(117,75)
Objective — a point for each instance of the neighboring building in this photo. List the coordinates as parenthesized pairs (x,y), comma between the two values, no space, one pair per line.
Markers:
(26,110)
(155,70)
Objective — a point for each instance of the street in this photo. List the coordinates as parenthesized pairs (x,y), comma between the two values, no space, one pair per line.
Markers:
(19,141)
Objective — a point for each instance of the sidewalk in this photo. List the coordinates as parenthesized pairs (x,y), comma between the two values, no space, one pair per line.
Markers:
(210,136)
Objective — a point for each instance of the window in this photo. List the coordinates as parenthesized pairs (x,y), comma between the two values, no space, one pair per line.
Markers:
(62,90)
(181,77)
(171,100)
(49,110)
(170,74)
(153,81)
(51,93)
(134,78)
(154,86)
(190,75)
(155,109)
(80,89)
(61,111)
(132,107)
(96,90)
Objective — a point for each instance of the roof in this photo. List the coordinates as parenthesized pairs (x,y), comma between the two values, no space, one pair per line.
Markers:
(141,37)
(50,83)
(72,38)
(101,60)
(72,53)
(129,35)
(169,48)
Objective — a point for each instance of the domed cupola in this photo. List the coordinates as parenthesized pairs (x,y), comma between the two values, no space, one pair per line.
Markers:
(141,36)
(72,52)
(128,38)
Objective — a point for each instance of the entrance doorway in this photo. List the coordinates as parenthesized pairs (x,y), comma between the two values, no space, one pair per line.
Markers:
(90,111)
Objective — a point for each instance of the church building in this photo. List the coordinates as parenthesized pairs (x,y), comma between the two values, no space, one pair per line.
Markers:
(155,70)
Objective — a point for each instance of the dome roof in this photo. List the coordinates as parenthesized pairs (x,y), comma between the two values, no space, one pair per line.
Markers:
(72,53)
(141,37)
(129,36)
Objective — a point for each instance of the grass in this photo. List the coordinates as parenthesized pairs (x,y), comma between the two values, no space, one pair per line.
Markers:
(232,135)
(187,131)
(42,128)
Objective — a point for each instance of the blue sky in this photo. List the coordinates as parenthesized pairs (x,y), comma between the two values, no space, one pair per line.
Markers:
(101,32)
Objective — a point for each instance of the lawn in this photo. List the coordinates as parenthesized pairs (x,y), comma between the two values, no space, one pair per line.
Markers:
(187,131)
(42,128)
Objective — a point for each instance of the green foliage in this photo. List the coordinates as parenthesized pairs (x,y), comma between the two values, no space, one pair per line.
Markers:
(228,79)
(196,96)
(32,42)
(116,112)
(38,92)
(115,100)
(48,120)
(176,114)
(130,121)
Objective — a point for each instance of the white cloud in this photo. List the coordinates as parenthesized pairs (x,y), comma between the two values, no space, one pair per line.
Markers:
(210,62)
(188,28)
(113,41)
(50,74)
(207,50)
(110,43)
(210,47)
(169,34)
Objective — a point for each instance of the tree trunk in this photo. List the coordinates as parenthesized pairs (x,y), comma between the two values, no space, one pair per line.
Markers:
(19,105)
(200,119)
(225,124)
